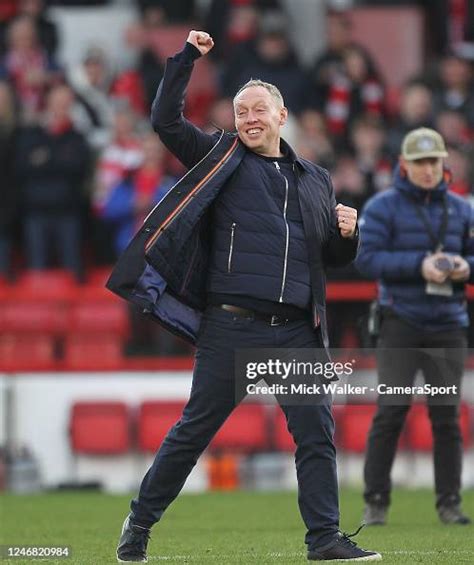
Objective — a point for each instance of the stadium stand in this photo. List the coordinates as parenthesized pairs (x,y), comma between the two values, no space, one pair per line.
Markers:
(26,352)
(49,322)
(418,428)
(354,427)
(52,285)
(92,352)
(99,317)
(35,317)
(244,431)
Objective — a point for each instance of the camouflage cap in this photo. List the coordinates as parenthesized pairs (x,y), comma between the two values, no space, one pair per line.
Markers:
(422,143)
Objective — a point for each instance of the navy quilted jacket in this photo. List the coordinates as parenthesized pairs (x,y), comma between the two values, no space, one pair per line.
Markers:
(394,242)
(251,217)
(165,268)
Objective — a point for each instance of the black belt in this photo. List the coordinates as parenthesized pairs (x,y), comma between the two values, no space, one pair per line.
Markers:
(272,319)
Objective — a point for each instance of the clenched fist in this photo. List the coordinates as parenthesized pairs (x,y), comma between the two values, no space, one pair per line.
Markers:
(201,40)
(346,220)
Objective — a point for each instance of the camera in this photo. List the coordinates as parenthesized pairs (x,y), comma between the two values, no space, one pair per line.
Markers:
(445,264)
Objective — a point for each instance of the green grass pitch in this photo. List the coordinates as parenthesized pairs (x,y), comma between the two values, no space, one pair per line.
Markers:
(220,528)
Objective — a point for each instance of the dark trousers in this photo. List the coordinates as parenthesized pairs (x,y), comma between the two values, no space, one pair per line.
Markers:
(48,233)
(5,254)
(211,402)
(398,368)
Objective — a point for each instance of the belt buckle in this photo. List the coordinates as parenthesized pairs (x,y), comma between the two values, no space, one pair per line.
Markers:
(275,321)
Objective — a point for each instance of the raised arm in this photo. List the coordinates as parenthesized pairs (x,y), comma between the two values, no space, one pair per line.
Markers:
(180,136)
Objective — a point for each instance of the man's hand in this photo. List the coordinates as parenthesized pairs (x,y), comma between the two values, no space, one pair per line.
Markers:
(429,270)
(346,220)
(461,271)
(201,40)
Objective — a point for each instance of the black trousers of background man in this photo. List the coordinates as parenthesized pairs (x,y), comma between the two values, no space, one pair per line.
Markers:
(398,368)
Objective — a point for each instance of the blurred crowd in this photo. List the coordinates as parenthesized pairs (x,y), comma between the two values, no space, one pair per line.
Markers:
(81,168)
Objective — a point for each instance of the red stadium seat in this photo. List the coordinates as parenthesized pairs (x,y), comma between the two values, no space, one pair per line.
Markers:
(49,285)
(245,430)
(93,293)
(99,275)
(94,289)
(100,428)
(92,352)
(154,421)
(282,439)
(354,427)
(25,352)
(418,428)
(34,317)
(103,317)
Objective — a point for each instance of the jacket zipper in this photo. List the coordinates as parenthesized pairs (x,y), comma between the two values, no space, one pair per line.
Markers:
(287,237)
(231,248)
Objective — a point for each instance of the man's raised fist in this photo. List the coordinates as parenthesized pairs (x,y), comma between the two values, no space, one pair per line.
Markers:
(201,40)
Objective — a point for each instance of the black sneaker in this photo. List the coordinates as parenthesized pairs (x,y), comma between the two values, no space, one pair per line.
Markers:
(375,515)
(343,549)
(132,543)
(452,514)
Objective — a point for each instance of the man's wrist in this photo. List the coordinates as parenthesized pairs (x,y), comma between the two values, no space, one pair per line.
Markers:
(355,235)
(191,52)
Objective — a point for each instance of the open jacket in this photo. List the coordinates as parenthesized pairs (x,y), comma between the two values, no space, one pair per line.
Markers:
(164,269)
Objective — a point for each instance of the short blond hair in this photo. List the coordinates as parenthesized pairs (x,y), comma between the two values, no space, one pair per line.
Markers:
(272,89)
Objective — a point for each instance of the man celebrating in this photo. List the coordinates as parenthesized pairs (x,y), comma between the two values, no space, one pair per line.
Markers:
(419,243)
(233,257)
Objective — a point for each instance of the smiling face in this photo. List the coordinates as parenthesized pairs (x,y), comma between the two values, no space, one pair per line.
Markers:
(258,118)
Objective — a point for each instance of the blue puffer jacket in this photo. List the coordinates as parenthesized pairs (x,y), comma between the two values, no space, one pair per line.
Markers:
(394,242)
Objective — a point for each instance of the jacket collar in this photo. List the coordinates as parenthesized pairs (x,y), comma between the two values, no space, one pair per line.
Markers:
(286,149)
(402,184)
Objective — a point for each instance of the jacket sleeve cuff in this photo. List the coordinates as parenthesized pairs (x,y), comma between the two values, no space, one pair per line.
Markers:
(356,233)
(470,261)
(190,53)
(418,263)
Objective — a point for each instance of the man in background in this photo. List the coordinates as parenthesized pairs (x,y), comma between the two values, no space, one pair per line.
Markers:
(418,241)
